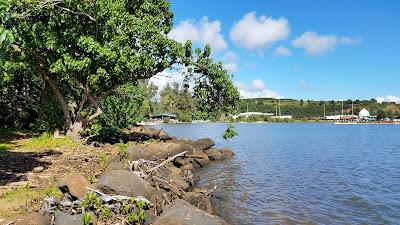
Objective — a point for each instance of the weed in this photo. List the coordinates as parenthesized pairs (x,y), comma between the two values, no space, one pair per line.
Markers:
(103,159)
(87,219)
(123,151)
(106,214)
(133,217)
(90,179)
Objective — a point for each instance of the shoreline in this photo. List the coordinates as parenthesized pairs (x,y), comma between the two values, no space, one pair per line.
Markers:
(161,175)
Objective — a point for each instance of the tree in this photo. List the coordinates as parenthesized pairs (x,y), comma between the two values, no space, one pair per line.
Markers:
(85,49)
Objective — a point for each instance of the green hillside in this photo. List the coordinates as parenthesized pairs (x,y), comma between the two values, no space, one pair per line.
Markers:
(304,109)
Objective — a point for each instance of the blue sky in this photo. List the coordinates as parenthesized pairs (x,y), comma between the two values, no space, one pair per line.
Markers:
(302,49)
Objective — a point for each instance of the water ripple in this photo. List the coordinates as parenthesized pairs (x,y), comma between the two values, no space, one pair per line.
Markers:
(304,173)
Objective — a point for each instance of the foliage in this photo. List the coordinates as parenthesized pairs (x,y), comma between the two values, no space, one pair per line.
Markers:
(315,109)
(123,150)
(103,159)
(127,106)
(230,132)
(85,49)
(46,141)
(93,56)
(87,219)
(213,88)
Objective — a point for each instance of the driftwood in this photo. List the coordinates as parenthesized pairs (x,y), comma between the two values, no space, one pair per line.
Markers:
(166,161)
(118,198)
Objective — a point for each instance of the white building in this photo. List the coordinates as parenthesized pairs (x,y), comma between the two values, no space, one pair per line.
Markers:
(363,114)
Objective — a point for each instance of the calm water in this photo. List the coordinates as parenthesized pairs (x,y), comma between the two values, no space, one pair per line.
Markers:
(304,173)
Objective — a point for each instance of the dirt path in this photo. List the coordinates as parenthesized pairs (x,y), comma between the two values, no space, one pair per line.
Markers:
(22,189)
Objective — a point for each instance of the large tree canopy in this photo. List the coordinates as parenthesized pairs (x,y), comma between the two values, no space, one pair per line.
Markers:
(84,49)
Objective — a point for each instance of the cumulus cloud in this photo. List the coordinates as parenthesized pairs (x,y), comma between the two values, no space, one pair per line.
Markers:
(388,98)
(315,44)
(256,89)
(253,32)
(166,77)
(230,62)
(202,32)
(283,51)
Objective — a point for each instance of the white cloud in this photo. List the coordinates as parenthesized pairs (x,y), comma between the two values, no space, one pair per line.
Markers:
(388,98)
(232,67)
(256,89)
(283,51)
(257,32)
(258,85)
(315,44)
(230,62)
(350,40)
(166,77)
(203,32)
(230,56)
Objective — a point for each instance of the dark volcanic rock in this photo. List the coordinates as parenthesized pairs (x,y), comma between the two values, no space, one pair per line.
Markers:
(213,154)
(227,152)
(202,144)
(183,213)
(67,219)
(156,151)
(126,183)
(75,184)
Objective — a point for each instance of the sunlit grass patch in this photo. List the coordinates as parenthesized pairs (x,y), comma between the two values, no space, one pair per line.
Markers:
(46,141)
(4,147)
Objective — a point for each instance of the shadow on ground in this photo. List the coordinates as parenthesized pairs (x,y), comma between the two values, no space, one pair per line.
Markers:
(14,165)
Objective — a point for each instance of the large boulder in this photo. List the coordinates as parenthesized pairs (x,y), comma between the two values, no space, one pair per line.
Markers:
(157,151)
(151,132)
(213,154)
(122,182)
(202,144)
(180,212)
(75,184)
(227,152)
(67,219)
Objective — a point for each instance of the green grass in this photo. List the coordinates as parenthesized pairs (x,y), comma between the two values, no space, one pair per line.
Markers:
(46,141)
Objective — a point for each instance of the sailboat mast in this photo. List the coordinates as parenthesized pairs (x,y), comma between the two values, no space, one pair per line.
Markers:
(342,107)
(279,107)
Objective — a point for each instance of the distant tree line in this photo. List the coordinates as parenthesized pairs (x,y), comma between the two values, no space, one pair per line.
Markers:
(301,109)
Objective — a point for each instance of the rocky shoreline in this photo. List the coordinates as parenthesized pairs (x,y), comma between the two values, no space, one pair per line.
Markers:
(149,183)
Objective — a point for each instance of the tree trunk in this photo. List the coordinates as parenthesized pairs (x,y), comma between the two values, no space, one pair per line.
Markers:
(74,129)
(64,106)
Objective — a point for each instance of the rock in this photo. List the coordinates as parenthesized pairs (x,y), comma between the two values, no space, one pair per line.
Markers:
(199,200)
(227,152)
(75,184)
(202,162)
(183,213)
(200,154)
(67,219)
(213,154)
(122,182)
(38,169)
(175,180)
(202,144)
(179,161)
(151,132)
(163,135)
(188,166)
(157,151)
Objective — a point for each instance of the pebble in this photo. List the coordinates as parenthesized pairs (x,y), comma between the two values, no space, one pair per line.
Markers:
(38,169)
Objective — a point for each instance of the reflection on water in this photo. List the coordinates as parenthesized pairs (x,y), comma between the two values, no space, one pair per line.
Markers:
(304,173)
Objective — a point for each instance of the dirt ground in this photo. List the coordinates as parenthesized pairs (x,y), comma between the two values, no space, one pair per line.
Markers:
(22,189)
